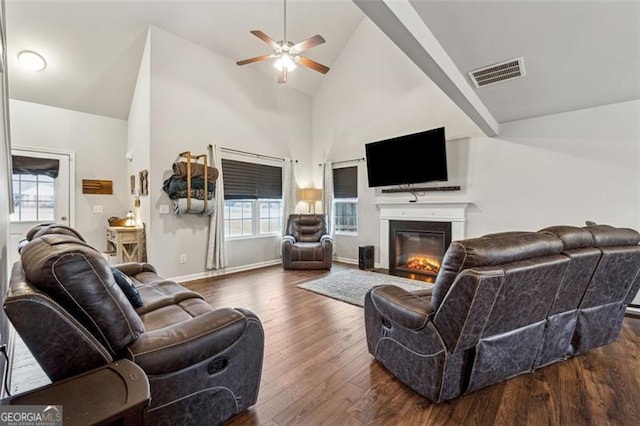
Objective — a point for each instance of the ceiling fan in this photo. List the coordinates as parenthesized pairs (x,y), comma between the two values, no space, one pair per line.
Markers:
(286,53)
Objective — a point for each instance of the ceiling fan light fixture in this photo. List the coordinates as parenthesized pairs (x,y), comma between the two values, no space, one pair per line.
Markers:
(31,60)
(286,53)
(285,61)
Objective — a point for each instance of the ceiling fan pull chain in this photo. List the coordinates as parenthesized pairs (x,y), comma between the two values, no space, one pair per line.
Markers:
(285,23)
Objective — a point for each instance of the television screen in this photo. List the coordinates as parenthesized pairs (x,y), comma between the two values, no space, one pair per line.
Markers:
(415,158)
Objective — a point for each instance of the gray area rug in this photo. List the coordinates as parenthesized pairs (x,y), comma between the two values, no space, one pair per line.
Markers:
(351,286)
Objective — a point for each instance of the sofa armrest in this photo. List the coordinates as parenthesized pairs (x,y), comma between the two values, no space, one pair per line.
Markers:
(185,343)
(402,307)
(288,239)
(134,268)
(326,238)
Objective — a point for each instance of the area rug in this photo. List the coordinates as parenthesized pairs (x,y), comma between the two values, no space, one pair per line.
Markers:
(351,285)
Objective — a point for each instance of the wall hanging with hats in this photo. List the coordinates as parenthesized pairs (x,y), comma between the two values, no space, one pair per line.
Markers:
(192,185)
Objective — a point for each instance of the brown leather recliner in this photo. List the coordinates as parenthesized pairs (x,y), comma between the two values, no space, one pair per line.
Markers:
(203,364)
(505,304)
(307,243)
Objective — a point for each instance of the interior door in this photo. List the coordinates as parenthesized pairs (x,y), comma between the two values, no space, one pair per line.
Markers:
(40,196)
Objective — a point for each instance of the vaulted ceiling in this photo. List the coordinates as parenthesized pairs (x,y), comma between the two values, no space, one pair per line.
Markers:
(577,54)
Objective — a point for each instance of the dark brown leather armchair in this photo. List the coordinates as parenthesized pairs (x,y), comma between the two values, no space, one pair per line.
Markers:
(505,304)
(203,364)
(307,243)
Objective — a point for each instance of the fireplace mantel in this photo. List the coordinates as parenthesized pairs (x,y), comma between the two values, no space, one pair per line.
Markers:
(434,211)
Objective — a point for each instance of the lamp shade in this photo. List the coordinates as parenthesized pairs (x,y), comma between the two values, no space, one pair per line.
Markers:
(311,194)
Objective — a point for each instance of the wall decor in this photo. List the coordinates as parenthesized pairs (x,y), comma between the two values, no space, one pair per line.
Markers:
(144,182)
(96,186)
(133,184)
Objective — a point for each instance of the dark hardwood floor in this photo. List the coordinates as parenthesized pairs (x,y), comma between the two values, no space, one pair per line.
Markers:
(317,369)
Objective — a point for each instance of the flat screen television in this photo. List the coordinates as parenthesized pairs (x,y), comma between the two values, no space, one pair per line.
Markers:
(415,158)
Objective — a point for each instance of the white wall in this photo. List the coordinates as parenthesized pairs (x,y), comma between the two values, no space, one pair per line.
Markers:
(99,144)
(5,200)
(198,98)
(374,92)
(139,131)
(560,169)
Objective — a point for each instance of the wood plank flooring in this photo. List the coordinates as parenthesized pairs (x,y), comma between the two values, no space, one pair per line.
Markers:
(317,369)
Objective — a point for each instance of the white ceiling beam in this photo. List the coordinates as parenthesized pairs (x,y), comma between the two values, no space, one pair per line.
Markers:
(402,24)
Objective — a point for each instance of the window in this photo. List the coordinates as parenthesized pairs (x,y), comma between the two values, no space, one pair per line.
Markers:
(345,200)
(33,198)
(252,198)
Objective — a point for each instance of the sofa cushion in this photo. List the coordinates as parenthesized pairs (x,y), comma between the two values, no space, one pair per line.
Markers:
(52,228)
(572,237)
(493,249)
(609,236)
(160,293)
(177,338)
(307,227)
(77,277)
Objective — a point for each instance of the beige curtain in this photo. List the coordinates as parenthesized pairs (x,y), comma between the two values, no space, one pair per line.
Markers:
(216,254)
(327,194)
(289,196)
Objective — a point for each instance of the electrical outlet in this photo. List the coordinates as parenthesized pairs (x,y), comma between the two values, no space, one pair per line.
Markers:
(164,208)
(183,258)
(97,208)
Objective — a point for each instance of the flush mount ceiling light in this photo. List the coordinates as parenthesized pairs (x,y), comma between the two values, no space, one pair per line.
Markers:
(286,53)
(31,60)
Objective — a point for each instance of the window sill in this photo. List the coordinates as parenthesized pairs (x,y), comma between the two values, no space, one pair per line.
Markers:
(252,237)
(346,234)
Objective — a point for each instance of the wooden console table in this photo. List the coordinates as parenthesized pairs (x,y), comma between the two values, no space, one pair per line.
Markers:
(128,244)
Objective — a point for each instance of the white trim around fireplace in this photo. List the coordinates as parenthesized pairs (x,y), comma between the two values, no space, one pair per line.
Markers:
(432,211)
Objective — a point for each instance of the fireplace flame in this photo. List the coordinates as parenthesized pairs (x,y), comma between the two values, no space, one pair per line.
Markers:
(428,264)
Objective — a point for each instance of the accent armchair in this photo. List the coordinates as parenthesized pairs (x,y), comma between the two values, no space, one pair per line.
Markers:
(307,243)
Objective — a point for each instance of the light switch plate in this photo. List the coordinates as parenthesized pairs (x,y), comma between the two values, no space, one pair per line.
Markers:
(164,208)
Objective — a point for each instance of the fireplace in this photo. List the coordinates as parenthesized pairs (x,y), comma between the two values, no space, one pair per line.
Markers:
(416,248)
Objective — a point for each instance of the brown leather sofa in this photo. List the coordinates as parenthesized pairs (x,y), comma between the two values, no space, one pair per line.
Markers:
(203,364)
(307,243)
(503,305)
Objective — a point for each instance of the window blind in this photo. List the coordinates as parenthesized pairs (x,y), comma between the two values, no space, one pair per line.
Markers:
(35,166)
(251,181)
(345,182)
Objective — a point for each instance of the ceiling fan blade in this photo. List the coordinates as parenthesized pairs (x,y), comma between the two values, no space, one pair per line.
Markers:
(308,43)
(310,63)
(256,59)
(282,77)
(262,36)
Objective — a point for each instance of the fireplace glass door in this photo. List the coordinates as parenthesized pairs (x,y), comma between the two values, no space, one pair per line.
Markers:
(417,247)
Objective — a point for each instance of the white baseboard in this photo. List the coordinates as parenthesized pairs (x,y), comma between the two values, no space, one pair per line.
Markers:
(345,260)
(225,271)
(633,310)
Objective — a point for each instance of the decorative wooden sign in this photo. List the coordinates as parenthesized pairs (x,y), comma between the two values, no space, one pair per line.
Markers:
(94,186)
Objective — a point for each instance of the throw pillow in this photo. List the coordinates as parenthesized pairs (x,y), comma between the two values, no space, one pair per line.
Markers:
(125,283)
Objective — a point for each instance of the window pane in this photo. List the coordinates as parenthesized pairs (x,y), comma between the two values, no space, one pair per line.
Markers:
(238,218)
(247,227)
(235,210)
(45,211)
(34,198)
(346,216)
(270,216)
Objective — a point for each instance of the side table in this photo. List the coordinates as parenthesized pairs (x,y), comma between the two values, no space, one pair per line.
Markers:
(116,394)
(128,243)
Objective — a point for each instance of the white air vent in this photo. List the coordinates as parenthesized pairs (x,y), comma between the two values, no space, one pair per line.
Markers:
(507,70)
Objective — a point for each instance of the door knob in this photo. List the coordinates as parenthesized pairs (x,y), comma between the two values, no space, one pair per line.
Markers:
(64,218)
